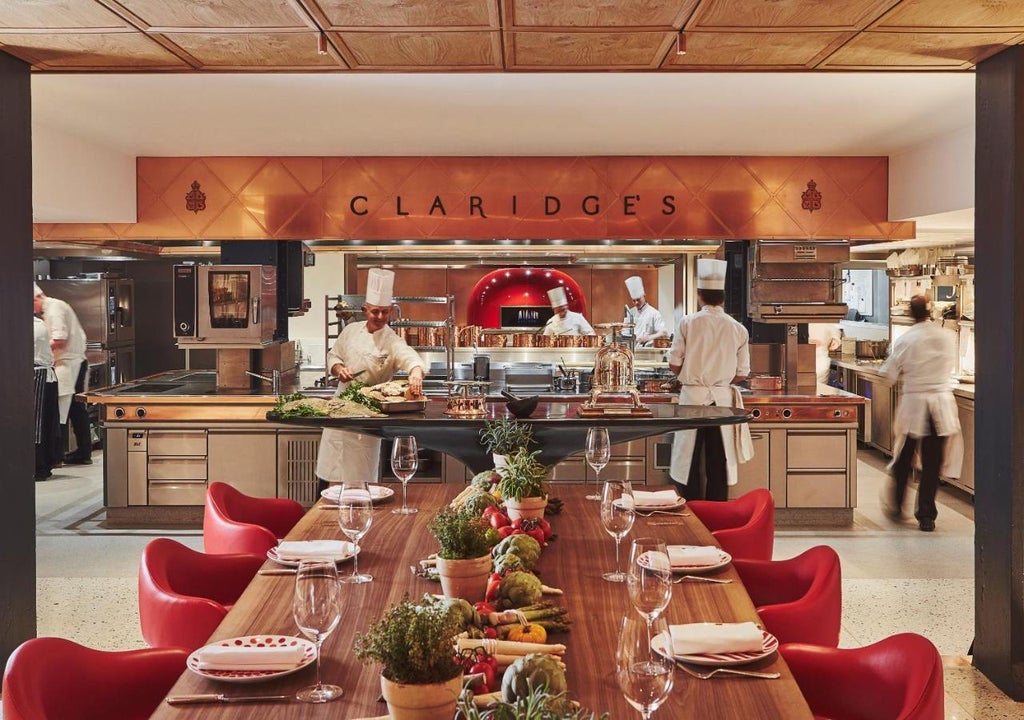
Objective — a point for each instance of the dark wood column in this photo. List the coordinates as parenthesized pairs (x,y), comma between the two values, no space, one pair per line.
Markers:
(18,508)
(999,285)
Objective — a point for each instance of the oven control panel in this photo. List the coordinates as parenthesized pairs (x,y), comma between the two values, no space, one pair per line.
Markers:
(816,412)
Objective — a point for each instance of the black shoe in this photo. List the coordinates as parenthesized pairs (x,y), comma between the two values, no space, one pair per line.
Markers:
(926,525)
(72,460)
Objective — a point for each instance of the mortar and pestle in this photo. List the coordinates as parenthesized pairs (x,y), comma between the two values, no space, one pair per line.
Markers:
(520,407)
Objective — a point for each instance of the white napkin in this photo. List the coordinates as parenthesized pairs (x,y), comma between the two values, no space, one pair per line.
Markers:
(293,550)
(715,638)
(660,498)
(693,555)
(219,657)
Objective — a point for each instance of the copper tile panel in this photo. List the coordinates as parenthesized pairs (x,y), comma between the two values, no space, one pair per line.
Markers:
(775,50)
(554,50)
(424,50)
(918,51)
(255,50)
(57,14)
(90,51)
(166,14)
(409,14)
(598,13)
(794,14)
(952,14)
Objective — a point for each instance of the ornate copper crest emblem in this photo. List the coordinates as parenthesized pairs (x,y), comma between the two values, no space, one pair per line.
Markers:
(811,197)
(195,200)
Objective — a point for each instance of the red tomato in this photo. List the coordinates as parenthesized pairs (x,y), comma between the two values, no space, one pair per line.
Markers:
(498,520)
(537,534)
(487,670)
(484,608)
(489,510)
(490,632)
(505,531)
(546,527)
(517,523)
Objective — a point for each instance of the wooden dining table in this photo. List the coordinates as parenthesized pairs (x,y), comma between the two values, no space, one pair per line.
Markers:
(573,561)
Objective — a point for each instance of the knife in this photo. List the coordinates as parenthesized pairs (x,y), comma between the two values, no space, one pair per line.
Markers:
(220,698)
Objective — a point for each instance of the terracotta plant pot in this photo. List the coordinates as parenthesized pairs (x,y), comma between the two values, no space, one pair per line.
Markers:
(528,507)
(466,579)
(421,702)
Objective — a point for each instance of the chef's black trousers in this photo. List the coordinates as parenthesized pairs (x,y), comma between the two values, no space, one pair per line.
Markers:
(932,447)
(709,474)
(78,418)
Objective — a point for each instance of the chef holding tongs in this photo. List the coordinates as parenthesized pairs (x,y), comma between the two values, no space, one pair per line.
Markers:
(373,352)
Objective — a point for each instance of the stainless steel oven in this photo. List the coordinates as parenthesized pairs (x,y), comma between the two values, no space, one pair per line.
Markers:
(225,305)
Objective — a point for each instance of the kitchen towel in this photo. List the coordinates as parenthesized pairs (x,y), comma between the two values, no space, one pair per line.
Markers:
(220,657)
(293,550)
(715,638)
(645,499)
(682,556)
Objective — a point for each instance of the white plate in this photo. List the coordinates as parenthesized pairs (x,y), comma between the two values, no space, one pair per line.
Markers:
(662,644)
(348,553)
(667,506)
(724,559)
(253,676)
(378,493)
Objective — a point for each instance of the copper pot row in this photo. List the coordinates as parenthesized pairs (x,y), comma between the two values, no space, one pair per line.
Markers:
(424,337)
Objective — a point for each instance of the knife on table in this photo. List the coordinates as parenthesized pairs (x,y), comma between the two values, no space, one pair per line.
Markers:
(220,698)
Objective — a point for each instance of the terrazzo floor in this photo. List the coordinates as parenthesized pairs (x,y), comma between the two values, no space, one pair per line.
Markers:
(895,578)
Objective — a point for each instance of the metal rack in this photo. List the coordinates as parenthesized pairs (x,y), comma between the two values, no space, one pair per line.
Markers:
(343,309)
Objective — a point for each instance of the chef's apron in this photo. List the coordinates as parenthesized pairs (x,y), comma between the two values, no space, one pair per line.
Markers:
(67,376)
(735,438)
(912,415)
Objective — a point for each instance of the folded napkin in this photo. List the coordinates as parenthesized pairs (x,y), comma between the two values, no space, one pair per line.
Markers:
(693,555)
(715,638)
(661,498)
(293,550)
(219,657)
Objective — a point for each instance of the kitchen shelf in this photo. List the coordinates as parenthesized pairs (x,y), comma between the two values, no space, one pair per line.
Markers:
(419,323)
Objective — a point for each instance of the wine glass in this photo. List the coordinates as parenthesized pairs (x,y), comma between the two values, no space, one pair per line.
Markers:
(617,514)
(404,461)
(316,607)
(355,515)
(650,577)
(599,452)
(645,676)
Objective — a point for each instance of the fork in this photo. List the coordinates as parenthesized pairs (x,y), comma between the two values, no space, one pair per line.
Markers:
(728,671)
(698,578)
(649,513)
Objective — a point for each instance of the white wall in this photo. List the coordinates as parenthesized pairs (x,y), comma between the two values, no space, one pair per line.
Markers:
(78,181)
(933,177)
(327,277)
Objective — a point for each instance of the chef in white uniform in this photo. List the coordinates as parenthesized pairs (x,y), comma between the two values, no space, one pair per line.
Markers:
(374,352)
(710,352)
(67,341)
(927,419)
(648,324)
(565,321)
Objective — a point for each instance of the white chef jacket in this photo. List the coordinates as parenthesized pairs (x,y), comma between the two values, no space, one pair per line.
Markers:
(347,455)
(42,355)
(712,349)
(647,321)
(923,358)
(574,324)
(63,324)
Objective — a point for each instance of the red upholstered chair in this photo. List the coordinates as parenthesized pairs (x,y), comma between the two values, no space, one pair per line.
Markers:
(52,678)
(184,594)
(744,527)
(899,678)
(237,523)
(800,599)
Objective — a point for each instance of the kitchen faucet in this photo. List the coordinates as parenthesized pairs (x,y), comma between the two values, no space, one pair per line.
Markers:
(274,380)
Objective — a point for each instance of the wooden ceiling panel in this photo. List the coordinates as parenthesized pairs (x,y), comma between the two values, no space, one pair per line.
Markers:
(58,14)
(753,51)
(91,51)
(954,15)
(256,50)
(409,13)
(917,51)
(175,15)
(787,14)
(588,50)
(424,50)
(663,14)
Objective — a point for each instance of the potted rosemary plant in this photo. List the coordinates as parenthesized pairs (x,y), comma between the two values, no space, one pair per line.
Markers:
(464,559)
(504,436)
(523,485)
(413,644)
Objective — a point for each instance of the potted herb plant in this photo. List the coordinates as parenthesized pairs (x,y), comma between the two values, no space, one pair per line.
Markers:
(413,644)
(464,559)
(523,485)
(504,436)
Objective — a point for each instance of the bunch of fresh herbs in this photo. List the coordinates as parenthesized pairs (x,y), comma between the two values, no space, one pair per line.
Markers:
(413,643)
(352,392)
(506,435)
(461,533)
(523,476)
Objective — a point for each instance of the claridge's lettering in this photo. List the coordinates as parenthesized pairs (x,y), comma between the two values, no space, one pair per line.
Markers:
(548,206)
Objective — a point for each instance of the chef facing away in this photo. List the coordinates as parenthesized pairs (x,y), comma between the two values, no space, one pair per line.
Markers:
(371,350)
(710,352)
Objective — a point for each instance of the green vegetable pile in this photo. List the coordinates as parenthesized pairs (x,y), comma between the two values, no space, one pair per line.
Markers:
(298,405)
(352,392)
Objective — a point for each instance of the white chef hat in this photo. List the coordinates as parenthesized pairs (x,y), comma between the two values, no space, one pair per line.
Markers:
(711,274)
(557,296)
(635,286)
(38,290)
(379,286)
